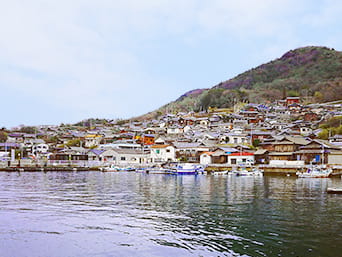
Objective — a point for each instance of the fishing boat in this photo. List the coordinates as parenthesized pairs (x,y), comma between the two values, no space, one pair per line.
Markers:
(111,168)
(243,171)
(157,170)
(186,169)
(334,190)
(221,173)
(316,171)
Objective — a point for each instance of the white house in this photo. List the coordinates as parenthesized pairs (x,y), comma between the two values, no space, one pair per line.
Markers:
(92,140)
(40,149)
(305,131)
(174,130)
(162,153)
(237,138)
(240,158)
(127,157)
(205,158)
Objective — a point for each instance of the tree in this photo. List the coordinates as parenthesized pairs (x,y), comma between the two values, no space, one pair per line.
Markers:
(74,142)
(28,130)
(3,136)
(324,134)
(318,96)
(256,142)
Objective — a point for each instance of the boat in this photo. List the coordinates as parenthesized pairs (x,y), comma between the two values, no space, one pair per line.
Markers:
(243,171)
(186,169)
(221,173)
(157,170)
(111,167)
(334,190)
(316,171)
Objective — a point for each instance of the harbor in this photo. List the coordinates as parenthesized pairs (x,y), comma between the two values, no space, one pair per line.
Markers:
(94,213)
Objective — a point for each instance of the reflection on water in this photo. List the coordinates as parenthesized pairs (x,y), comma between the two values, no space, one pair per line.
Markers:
(130,214)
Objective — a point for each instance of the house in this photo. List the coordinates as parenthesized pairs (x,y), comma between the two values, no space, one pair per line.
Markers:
(284,148)
(206,158)
(92,140)
(316,151)
(335,157)
(127,157)
(190,152)
(237,138)
(336,140)
(107,155)
(146,139)
(218,156)
(95,155)
(261,156)
(162,153)
(292,100)
(240,158)
(174,130)
(40,149)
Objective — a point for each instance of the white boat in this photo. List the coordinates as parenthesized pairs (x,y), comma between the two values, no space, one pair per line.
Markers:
(112,167)
(157,170)
(187,169)
(221,173)
(242,171)
(334,190)
(315,172)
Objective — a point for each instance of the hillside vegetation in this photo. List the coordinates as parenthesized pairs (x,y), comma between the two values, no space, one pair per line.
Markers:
(314,73)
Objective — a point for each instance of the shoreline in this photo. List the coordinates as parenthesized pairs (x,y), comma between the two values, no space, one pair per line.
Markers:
(268,170)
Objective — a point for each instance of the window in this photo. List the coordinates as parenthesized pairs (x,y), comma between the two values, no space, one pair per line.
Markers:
(157,151)
(233,161)
(123,158)
(235,140)
(168,150)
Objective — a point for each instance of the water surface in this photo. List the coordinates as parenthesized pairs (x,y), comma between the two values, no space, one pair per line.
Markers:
(133,214)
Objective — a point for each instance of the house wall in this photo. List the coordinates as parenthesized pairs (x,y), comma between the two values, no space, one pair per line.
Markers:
(335,158)
(205,159)
(162,154)
(233,160)
(285,148)
(237,139)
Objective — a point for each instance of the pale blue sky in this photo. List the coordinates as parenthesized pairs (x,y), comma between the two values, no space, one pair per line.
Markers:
(64,61)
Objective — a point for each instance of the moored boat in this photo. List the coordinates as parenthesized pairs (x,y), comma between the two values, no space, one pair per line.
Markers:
(186,169)
(315,172)
(243,171)
(334,190)
(221,173)
(157,170)
(111,168)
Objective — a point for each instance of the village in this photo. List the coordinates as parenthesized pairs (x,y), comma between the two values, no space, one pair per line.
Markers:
(281,135)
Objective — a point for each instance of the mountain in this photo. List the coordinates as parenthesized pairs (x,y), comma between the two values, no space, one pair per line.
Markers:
(314,73)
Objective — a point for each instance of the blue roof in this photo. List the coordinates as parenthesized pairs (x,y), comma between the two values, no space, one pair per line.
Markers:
(96,151)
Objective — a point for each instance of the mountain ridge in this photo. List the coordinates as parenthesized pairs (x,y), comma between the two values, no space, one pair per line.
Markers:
(313,72)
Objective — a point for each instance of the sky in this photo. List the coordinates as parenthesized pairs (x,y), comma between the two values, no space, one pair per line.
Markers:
(64,61)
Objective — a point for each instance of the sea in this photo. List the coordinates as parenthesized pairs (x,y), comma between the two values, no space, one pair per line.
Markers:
(134,214)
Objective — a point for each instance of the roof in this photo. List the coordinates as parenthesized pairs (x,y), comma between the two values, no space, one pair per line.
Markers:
(208,153)
(241,154)
(260,151)
(159,146)
(96,151)
(9,145)
(187,145)
(280,154)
